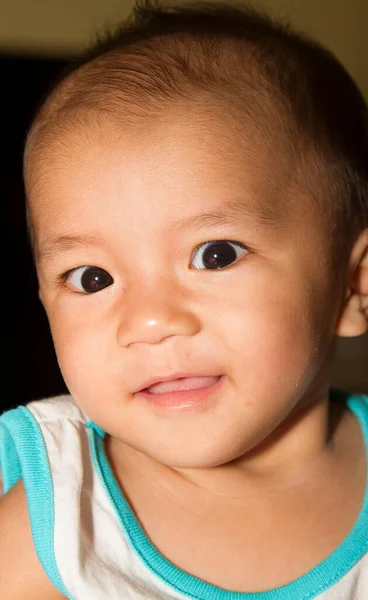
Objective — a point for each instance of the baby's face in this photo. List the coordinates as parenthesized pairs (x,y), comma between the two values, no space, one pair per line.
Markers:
(136,206)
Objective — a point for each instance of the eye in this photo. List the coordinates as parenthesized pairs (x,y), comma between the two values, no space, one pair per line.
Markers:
(89,280)
(218,254)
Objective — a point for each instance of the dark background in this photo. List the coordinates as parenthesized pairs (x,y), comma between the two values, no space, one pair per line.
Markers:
(29,365)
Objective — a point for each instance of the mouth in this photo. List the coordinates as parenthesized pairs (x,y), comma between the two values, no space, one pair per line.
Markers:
(183,392)
(182,379)
(182,384)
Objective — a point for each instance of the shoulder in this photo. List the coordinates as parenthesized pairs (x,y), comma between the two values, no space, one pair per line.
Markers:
(46,408)
(56,407)
(21,574)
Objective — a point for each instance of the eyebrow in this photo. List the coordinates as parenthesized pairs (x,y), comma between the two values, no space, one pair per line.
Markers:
(266,215)
(50,247)
(235,211)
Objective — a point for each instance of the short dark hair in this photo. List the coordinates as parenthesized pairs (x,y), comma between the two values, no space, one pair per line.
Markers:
(239,55)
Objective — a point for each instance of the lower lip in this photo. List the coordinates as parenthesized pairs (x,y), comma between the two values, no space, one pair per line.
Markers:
(197,397)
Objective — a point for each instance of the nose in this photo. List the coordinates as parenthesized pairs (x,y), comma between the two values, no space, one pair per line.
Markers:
(152,314)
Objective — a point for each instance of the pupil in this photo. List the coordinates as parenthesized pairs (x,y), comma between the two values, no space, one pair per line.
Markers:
(217,254)
(94,279)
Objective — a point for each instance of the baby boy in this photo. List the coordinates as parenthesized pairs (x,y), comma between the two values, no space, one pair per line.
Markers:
(197,192)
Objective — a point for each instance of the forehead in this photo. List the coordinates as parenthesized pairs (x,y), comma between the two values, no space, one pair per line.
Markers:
(176,166)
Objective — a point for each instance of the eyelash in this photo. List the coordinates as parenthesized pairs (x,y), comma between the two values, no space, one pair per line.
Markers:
(64,277)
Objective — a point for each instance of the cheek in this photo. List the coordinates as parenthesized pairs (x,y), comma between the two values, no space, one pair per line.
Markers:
(84,354)
(268,338)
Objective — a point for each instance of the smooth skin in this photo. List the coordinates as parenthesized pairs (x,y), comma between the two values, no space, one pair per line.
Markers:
(265,322)
(21,574)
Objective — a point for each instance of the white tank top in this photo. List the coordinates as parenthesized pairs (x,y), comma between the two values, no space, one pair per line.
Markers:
(88,539)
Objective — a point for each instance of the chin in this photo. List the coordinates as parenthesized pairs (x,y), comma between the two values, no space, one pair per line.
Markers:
(193,457)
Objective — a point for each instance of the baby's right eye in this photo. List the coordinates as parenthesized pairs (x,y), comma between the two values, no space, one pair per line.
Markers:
(88,280)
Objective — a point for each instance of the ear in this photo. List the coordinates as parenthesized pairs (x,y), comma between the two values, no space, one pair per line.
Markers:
(354,317)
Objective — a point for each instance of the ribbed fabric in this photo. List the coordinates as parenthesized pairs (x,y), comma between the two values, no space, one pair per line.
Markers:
(87,537)
(23,454)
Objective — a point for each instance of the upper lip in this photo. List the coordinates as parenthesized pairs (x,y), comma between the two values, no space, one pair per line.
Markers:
(171,377)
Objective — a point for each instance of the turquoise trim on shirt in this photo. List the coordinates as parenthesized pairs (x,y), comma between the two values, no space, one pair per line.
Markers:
(23,454)
(308,586)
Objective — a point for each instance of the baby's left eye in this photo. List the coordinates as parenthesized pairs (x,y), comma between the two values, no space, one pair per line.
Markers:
(218,254)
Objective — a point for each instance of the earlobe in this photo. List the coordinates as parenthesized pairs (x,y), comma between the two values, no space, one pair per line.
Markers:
(354,317)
